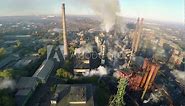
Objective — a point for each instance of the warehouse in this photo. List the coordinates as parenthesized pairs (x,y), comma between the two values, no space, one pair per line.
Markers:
(25,86)
(73,95)
(45,70)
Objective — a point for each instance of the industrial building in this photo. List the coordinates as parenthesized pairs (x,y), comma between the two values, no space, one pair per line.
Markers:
(141,79)
(82,63)
(9,60)
(25,88)
(25,62)
(22,96)
(73,95)
(45,70)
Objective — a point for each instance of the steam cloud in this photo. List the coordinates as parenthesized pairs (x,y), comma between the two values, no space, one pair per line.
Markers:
(179,74)
(7,83)
(87,48)
(99,72)
(107,10)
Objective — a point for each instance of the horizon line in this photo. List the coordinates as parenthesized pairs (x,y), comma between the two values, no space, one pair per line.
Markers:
(171,22)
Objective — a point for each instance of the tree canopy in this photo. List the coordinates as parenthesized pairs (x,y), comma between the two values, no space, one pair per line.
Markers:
(42,51)
(18,44)
(2,52)
(7,73)
(62,73)
(6,98)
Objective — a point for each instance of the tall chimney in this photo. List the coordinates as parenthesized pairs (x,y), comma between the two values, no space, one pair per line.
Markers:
(64,31)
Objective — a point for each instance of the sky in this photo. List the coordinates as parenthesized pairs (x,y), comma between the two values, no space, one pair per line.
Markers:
(163,10)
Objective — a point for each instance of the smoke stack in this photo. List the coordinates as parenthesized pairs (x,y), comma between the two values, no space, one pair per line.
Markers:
(142,19)
(64,31)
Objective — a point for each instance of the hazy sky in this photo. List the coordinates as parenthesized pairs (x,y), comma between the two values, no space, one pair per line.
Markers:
(165,10)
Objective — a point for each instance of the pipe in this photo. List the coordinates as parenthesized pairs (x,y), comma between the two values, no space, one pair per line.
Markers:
(146,74)
(148,79)
(153,76)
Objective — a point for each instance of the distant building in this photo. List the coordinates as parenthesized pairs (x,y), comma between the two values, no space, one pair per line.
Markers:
(161,42)
(73,95)
(176,57)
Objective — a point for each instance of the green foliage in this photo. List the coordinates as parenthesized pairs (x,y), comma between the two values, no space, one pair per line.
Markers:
(7,73)
(6,98)
(42,51)
(2,52)
(118,98)
(71,50)
(62,73)
(12,73)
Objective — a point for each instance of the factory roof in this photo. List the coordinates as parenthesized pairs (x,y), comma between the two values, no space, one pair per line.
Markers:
(82,62)
(45,69)
(7,60)
(27,83)
(81,65)
(22,96)
(61,89)
(78,95)
(23,92)
(25,61)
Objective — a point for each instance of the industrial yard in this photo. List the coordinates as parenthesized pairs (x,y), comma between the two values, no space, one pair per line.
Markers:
(103,59)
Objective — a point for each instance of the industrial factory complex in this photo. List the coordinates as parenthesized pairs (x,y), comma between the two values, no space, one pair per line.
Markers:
(83,65)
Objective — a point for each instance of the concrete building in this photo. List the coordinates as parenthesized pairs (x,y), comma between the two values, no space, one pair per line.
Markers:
(25,88)
(73,95)
(26,61)
(82,63)
(27,83)
(7,61)
(45,70)
(22,96)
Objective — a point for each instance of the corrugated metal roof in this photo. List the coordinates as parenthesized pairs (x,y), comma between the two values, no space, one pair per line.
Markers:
(45,69)
(26,83)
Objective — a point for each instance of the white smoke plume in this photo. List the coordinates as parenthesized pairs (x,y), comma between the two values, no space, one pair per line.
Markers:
(7,83)
(107,10)
(179,74)
(87,48)
(99,72)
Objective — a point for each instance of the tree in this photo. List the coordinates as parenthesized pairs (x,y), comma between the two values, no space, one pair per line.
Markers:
(118,98)
(42,51)
(7,73)
(6,98)
(2,52)
(62,73)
